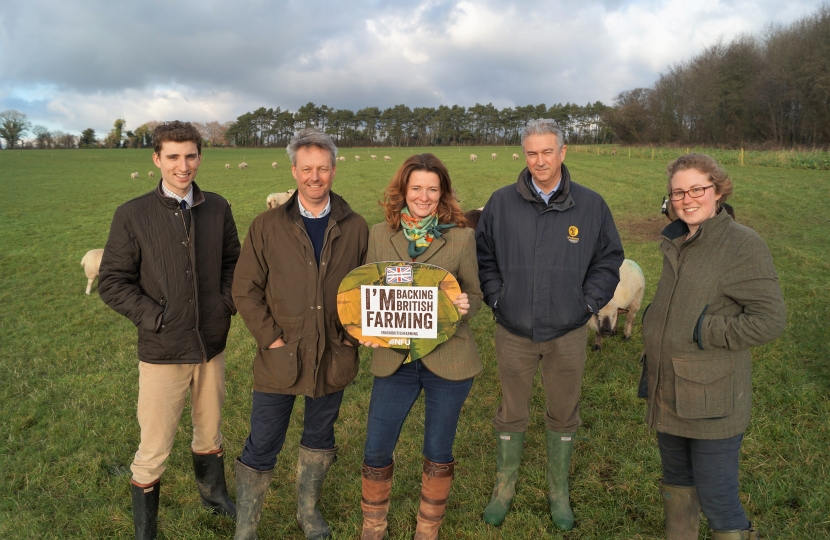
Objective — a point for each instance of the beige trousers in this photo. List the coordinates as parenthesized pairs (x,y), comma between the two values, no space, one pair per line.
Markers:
(162,392)
(562,362)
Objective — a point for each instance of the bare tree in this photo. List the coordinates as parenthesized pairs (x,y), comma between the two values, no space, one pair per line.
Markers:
(13,124)
(43,137)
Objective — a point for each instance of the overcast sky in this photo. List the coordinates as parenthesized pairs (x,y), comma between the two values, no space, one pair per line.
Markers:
(70,64)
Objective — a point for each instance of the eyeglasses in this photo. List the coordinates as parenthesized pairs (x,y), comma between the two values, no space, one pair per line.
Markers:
(695,193)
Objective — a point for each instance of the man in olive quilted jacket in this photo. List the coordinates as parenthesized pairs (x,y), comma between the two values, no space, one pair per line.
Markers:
(168,267)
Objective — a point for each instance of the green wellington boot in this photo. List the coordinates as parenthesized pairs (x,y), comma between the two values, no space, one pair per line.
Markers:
(312,466)
(682,511)
(560,446)
(251,489)
(509,447)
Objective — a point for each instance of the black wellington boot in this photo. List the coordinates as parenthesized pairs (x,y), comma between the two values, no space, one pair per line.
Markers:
(209,470)
(146,510)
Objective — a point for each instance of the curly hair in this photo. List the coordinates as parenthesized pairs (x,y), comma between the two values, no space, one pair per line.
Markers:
(176,131)
(394,196)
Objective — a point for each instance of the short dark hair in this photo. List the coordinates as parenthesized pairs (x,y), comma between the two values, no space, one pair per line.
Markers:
(176,131)
(394,197)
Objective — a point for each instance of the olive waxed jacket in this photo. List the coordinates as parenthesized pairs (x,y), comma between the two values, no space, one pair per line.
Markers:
(280,291)
(718,296)
(174,284)
(455,251)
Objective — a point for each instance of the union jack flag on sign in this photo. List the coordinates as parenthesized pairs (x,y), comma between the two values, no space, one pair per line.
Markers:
(398,274)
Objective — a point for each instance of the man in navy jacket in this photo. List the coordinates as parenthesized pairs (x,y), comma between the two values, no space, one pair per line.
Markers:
(549,257)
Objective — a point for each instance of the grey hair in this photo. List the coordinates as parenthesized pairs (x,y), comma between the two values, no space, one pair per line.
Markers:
(311,137)
(543,126)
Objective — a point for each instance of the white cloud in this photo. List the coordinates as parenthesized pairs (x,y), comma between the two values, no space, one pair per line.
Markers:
(211,61)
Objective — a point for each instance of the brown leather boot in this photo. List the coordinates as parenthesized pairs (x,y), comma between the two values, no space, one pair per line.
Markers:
(436,481)
(682,511)
(377,485)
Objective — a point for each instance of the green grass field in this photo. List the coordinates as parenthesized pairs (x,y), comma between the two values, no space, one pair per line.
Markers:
(68,366)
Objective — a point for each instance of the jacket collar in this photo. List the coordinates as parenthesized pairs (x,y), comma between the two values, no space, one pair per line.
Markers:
(562,200)
(198,196)
(401,245)
(677,229)
(340,209)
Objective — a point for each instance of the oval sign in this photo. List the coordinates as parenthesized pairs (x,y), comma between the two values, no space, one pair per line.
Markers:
(401,305)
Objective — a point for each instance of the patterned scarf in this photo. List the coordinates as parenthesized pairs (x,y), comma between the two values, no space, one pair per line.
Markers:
(421,233)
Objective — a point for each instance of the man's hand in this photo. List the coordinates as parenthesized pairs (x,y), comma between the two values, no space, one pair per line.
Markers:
(277,344)
(462,303)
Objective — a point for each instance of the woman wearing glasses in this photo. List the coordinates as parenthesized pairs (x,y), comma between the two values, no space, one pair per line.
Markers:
(718,296)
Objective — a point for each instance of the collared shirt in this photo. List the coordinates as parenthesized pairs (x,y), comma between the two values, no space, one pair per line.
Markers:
(546,196)
(306,213)
(187,198)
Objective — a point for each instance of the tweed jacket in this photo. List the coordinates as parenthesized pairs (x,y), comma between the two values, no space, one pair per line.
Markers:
(172,281)
(718,295)
(281,291)
(457,358)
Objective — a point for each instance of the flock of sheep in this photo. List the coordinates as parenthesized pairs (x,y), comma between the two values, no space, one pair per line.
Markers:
(493,156)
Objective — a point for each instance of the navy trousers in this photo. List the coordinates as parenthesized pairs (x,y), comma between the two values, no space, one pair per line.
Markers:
(270,415)
(393,398)
(712,467)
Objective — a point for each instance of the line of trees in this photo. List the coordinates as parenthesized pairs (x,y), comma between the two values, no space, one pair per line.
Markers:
(421,126)
(771,90)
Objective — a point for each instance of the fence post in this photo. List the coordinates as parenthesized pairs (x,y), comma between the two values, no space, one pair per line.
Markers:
(742,157)
(652,152)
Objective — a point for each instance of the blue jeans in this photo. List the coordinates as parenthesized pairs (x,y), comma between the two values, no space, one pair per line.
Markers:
(392,399)
(712,467)
(270,415)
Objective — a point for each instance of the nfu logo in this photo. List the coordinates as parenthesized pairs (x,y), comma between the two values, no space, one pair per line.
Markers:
(398,274)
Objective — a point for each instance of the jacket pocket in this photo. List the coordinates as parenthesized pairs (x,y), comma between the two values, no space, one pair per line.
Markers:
(280,367)
(703,388)
(343,364)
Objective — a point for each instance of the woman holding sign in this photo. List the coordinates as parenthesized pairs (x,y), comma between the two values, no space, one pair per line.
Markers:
(424,224)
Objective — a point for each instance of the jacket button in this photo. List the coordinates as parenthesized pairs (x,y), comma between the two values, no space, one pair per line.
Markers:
(175,213)
(318,307)
(162,326)
(190,300)
(183,243)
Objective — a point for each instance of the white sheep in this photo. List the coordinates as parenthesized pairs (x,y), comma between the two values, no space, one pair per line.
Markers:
(473,157)
(151,174)
(134,175)
(274,165)
(628,297)
(91,263)
(374,158)
(493,155)
(276,199)
(243,165)
(341,158)
(227,165)
(387,158)
(357,158)
(515,157)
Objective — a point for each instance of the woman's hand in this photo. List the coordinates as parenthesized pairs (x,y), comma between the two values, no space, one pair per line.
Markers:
(277,344)
(369,344)
(462,303)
